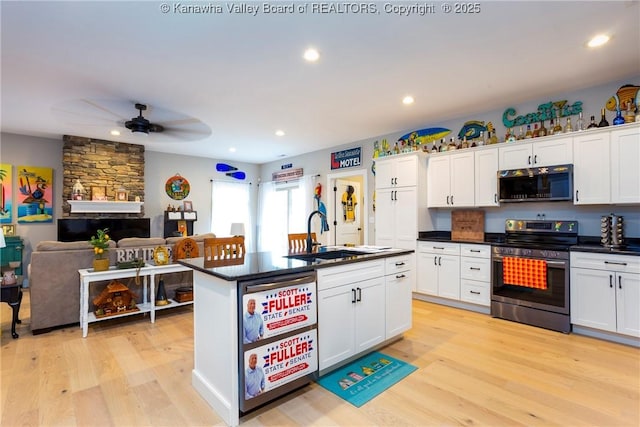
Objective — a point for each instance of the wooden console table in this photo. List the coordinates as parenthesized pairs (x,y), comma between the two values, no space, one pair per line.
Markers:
(146,273)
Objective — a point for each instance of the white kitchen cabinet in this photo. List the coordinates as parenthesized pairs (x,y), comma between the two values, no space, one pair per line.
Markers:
(399,283)
(606,166)
(450,180)
(439,269)
(475,274)
(547,151)
(351,306)
(486,177)
(605,292)
(591,168)
(400,196)
(625,165)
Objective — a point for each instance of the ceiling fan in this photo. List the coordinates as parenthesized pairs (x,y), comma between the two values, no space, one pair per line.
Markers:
(140,124)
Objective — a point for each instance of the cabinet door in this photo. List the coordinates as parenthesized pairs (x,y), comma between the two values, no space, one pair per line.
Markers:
(591,171)
(370,309)
(384,173)
(427,280)
(405,217)
(462,176)
(438,182)
(336,336)
(627,303)
(385,223)
(556,151)
(398,302)
(486,177)
(593,299)
(406,171)
(515,156)
(449,276)
(625,169)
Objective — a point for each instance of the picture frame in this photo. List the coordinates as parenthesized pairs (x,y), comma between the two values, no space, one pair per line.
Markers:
(8,229)
(161,255)
(188,206)
(98,193)
(122,195)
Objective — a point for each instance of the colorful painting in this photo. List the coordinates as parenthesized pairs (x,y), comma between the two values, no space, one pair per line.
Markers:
(177,187)
(35,201)
(5,193)
(625,94)
(421,137)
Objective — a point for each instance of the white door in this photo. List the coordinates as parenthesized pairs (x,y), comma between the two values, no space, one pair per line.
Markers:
(348,216)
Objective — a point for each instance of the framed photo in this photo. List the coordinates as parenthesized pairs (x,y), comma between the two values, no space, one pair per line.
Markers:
(122,196)
(161,255)
(98,193)
(188,206)
(9,229)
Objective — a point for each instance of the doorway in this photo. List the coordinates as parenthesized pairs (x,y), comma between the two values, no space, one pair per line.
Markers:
(347,207)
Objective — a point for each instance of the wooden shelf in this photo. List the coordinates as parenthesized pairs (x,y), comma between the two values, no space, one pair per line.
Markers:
(104,206)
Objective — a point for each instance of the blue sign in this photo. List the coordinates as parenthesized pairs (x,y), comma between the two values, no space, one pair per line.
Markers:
(346,158)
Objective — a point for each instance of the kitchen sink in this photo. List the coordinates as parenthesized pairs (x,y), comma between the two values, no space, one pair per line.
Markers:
(332,254)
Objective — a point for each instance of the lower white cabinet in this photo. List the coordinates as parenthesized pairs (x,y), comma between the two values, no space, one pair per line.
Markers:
(605,292)
(399,282)
(439,269)
(475,274)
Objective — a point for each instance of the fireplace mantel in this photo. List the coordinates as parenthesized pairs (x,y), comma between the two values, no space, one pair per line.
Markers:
(104,206)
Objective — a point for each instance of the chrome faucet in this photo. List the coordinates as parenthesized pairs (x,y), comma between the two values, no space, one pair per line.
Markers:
(309,241)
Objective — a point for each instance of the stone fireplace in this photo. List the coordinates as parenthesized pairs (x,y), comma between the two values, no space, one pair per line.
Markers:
(103,164)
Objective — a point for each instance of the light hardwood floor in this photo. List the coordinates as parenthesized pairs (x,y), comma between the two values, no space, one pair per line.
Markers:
(473,370)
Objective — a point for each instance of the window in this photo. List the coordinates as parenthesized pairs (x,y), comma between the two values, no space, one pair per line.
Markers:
(231,203)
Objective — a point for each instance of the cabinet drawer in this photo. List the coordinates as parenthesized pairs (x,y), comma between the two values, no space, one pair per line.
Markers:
(598,261)
(350,273)
(398,264)
(476,251)
(439,248)
(475,269)
(475,292)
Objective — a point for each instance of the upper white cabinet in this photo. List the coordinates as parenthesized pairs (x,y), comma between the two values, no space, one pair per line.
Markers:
(400,197)
(550,152)
(486,177)
(606,166)
(450,180)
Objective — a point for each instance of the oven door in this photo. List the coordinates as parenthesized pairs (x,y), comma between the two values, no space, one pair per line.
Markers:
(550,293)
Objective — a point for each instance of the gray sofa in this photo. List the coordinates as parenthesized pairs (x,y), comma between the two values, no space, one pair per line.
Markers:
(54,283)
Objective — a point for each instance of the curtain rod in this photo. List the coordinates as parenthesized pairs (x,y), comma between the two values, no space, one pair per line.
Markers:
(291,180)
(229,181)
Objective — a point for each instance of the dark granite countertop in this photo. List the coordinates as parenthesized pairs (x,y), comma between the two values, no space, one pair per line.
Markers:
(585,243)
(266,264)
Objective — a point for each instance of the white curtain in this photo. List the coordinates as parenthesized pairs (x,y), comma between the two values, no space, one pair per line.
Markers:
(230,202)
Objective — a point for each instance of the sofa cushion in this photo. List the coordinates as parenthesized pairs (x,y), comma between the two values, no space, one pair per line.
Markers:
(138,242)
(52,245)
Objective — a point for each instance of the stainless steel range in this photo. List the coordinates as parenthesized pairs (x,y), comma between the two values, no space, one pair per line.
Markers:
(530,279)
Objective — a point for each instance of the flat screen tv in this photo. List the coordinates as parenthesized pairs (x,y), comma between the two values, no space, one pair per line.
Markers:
(74,229)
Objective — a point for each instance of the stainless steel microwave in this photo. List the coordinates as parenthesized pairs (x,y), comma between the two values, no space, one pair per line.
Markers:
(540,184)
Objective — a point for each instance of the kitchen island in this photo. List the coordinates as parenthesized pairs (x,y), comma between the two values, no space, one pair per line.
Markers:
(368,293)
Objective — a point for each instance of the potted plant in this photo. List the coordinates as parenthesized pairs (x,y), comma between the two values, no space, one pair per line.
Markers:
(100,244)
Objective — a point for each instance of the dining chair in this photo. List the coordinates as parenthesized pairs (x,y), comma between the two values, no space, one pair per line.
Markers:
(223,248)
(298,241)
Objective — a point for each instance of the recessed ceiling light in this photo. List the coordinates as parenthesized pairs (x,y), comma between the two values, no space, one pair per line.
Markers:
(598,40)
(311,55)
(408,100)
(115,132)
(232,149)
(279,132)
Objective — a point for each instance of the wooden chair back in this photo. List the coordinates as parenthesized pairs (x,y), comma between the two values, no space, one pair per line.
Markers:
(298,241)
(224,248)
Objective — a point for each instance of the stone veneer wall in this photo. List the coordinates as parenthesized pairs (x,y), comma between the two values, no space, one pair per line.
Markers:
(97,162)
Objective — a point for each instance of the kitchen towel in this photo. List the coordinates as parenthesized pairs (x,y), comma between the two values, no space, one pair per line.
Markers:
(531,273)
(365,378)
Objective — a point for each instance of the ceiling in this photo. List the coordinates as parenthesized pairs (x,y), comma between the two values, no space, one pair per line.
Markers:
(222,80)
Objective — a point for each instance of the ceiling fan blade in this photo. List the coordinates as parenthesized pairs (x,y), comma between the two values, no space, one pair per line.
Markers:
(100,107)
(236,175)
(223,167)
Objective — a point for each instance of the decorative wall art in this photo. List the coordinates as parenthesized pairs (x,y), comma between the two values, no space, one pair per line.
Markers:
(6,176)
(35,185)
(177,187)
(230,171)
(98,193)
